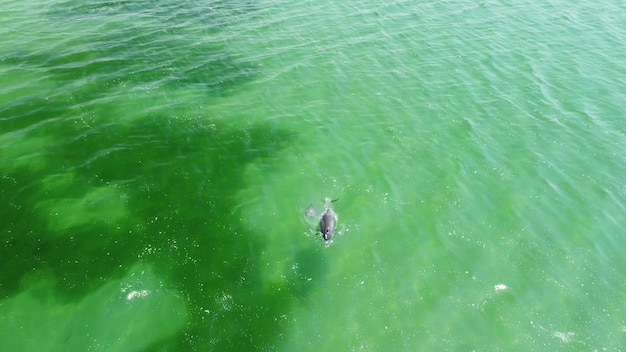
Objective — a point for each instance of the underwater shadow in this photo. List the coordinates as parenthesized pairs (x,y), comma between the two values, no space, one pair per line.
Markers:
(153,189)
(178,188)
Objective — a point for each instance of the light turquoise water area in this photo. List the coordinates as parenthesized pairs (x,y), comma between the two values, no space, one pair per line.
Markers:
(157,157)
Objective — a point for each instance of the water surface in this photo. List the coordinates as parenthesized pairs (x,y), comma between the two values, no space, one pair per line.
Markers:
(157,158)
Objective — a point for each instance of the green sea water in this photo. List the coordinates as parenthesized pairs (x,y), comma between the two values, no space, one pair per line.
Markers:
(157,157)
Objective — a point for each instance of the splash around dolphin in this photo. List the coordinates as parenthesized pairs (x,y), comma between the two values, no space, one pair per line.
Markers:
(327,221)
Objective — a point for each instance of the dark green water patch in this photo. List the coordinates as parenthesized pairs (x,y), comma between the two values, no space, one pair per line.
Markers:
(156,192)
(96,185)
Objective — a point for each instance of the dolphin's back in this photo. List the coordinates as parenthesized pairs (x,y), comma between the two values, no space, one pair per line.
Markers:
(328,222)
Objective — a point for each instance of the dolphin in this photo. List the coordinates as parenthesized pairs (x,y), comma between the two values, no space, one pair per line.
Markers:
(328,222)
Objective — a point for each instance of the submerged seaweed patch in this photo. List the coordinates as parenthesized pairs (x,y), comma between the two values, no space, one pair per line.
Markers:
(117,184)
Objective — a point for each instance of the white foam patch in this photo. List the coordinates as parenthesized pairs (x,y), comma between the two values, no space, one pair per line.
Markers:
(135,294)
